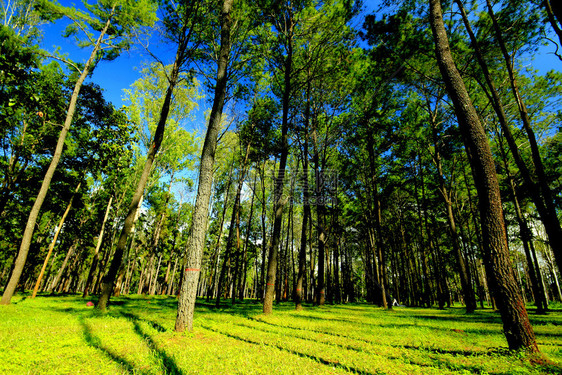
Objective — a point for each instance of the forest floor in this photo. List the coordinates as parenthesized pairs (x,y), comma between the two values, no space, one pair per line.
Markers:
(62,335)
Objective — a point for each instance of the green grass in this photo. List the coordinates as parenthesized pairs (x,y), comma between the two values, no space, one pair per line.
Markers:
(61,335)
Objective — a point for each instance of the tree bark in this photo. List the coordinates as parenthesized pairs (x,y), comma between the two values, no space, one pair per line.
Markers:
(190,278)
(517,328)
(305,219)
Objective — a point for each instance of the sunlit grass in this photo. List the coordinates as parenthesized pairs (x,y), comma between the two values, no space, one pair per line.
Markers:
(61,335)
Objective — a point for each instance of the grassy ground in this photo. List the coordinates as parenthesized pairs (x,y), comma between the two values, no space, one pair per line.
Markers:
(62,335)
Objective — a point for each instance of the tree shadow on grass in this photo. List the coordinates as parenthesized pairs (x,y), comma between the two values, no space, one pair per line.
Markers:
(295,335)
(307,316)
(291,351)
(168,362)
(247,307)
(465,353)
(20,301)
(320,331)
(95,342)
(468,318)
(135,319)
(439,364)
(367,341)
(170,367)
(414,325)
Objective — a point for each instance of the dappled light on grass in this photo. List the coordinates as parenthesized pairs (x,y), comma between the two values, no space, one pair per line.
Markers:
(64,335)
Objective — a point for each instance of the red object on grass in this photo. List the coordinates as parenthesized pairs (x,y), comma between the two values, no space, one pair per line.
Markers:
(90,303)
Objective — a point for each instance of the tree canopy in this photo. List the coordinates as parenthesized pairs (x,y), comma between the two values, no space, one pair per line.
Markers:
(402,153)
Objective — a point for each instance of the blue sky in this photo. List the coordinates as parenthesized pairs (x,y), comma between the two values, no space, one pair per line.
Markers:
(114,76)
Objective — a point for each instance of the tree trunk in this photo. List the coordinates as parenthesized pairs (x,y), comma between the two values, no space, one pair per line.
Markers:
(526,238)
(320,219)
(34,213)
(464,274)
(170,286)
(305,219)
(428,255)
(190,279)
(97,249)
(261,285)
(231,254)
(54,241)
(279,181)
(154,281)
(544,204)
(216,253)
(247,240)
(517,328)
(69,253)
(552,270)
(108,284)
(377,242)
(549,217)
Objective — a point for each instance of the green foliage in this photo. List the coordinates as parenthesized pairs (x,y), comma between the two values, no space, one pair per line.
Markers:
(374,110)
(125,17)
(99,138)
(16,62)
(179,148)
(24,17)
(259,127)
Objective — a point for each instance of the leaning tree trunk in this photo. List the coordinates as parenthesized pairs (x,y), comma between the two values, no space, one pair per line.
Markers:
(517,328)
(544,207)
(34,213)
(54,241)
(190,278)
(549,216)
(97,250)
(526,238)
(52,286)
(109,282)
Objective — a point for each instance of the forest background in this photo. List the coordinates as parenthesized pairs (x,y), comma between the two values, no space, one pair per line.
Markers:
(333,165)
